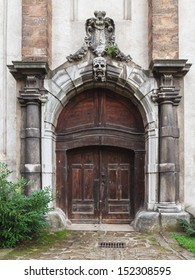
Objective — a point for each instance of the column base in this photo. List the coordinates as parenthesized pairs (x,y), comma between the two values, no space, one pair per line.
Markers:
(167,207)
(146,221)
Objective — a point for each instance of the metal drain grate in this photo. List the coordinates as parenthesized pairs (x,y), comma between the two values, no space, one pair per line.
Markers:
(112,244)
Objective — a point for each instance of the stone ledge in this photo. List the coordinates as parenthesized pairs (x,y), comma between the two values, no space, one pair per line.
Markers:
(19,69)
(176,67)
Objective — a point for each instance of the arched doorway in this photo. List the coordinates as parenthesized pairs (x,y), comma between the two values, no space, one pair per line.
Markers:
(100,158)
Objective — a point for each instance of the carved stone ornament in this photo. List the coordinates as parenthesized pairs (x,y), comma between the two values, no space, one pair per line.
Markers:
(99,68)
(100,39)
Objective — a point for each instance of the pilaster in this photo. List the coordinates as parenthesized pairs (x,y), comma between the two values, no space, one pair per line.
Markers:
(31,96)
(168,98)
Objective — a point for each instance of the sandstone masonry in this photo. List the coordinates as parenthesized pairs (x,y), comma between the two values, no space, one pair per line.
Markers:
(163,29)
(36,30)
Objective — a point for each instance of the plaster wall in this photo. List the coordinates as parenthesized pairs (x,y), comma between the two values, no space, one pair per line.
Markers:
(186,50)
(68,27)
(10,49)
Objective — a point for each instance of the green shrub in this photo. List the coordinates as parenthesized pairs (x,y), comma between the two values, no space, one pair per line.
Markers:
(188,227)
(21,217)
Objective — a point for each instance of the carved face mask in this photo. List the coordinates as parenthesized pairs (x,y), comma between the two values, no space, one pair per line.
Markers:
(99,68)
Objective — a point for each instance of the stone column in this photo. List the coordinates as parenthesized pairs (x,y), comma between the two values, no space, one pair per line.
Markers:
(168,97)
(31,98)
(32,95)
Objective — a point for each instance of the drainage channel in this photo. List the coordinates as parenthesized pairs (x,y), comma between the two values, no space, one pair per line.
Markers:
(112,245)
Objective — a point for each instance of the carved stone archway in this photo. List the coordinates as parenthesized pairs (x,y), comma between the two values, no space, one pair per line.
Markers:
(127,81)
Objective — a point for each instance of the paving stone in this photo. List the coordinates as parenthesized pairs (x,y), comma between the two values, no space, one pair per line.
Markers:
(84,245)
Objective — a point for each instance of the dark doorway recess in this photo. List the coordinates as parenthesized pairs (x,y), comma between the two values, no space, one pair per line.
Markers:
(100,158)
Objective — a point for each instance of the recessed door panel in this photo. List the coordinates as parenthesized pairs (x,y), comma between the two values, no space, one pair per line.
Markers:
(81,193)
(117,202)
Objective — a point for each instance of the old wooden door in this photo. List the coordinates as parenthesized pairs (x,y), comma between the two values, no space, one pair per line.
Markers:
(100,158)
(99,184)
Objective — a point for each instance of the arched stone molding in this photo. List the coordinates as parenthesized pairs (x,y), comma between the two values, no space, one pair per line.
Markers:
(125,79)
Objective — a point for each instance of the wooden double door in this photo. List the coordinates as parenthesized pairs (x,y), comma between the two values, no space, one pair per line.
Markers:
(100,181)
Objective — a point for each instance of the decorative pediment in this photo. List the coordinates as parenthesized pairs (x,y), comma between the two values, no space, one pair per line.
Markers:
(100,39)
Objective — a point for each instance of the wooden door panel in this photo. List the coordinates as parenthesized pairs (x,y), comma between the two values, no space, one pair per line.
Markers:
(124,181)
(117,200)
(82,205)
(99,108)
(76,174)
(80,112)
(118,163)
(112,183)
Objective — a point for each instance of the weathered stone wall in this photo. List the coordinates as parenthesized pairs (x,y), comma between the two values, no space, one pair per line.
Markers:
(10,49)
(163,29)
(186,50)
(68,24)
(36,30)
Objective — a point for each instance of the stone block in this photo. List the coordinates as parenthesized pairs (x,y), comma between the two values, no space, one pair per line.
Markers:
(57,220)
(191,210)
(170,221)
(146,221)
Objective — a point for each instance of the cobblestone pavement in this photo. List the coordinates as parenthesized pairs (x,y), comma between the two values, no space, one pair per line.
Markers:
(84,245)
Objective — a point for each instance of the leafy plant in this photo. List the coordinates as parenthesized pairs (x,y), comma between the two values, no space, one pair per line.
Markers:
(111,50)
(21,217)
(186,240)
(188,227)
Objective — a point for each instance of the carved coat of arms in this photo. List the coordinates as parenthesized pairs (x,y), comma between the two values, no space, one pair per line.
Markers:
(100,39)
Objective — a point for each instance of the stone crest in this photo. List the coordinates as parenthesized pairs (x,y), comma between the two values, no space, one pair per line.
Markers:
(99,32)
(100,39)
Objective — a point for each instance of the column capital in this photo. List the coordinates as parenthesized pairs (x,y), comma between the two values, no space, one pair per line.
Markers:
(21,69)
(32,75)
(33,90)
(167,92)
(174,67)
